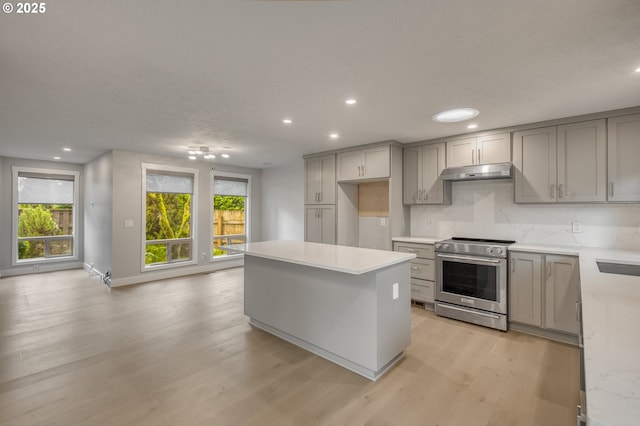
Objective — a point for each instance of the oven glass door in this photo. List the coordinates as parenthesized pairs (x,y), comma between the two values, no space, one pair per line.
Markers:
(470,279)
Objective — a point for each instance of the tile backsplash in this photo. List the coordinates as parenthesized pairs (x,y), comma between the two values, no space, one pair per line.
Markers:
(485,209)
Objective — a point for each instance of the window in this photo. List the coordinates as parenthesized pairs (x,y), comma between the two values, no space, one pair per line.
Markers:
(169,212)
(45,216)
(230,207)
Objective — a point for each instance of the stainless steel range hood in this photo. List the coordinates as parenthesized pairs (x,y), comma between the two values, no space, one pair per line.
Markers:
(478,172)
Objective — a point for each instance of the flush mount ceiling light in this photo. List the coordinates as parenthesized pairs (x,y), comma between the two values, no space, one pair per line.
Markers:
(287,121)
(334,136)
(455,115)
(202,152)
(66,149)
(350,101)
(56,158)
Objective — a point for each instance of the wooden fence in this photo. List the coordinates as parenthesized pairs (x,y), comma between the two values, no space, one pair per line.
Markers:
(228,222)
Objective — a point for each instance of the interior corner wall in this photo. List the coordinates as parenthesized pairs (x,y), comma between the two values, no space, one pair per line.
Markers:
(283,202)
(6,216)
(127,205)
(98,213)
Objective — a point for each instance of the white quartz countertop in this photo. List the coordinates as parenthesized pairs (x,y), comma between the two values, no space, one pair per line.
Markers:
(419,240)
(350,260)
(611,327)
(546,248)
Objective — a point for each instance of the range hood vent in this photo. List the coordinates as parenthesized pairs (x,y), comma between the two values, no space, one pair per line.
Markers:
(478,172)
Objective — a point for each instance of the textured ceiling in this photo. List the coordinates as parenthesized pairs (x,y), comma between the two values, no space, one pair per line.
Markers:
(160,76)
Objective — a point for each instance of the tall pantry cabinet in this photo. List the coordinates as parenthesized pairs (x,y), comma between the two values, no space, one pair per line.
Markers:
(320,199)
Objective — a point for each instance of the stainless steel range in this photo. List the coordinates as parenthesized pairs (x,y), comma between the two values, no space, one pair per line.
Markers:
(471,281)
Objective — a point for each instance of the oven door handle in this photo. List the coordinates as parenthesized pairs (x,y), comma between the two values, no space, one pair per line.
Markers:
(471,258)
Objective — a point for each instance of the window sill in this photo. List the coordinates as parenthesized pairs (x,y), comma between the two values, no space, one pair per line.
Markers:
(174,265)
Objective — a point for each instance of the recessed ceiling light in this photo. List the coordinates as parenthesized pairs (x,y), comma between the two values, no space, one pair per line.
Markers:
(225,155)
(638,69)
(287,121)
(472,126)
(192,157)
(350,101)
(56,158)
(66,149)
(454,115)
(334,136)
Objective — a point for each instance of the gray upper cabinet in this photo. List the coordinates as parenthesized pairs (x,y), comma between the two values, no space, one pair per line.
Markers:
(534,159)
(624,153)
(561,164)
(370,163)
(422,167)
(479,150)
(320,180)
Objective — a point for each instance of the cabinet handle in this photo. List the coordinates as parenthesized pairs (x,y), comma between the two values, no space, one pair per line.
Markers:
(578,311)
(473,156)
(548,270)
(479,156)
(552,191)
(611,190)
(560,191)
(513,267)
(414,268)
(412,250)
(319,196)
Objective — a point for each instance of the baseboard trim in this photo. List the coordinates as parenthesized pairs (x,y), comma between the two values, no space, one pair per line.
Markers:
(558,336)
(40,268)
(173,273)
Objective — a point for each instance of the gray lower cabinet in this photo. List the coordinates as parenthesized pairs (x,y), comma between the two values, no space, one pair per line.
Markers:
(422,271)
(543,292)
(320,224)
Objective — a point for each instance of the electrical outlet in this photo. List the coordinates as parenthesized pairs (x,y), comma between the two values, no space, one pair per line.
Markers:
(395,291)
(576,226)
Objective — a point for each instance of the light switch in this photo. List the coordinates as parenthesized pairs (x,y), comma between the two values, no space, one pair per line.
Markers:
(128,223)
(395,291)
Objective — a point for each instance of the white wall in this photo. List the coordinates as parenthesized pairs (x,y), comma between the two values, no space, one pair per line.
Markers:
(98,213)
(485,209)
(6,216)
(283,202)
(127,204)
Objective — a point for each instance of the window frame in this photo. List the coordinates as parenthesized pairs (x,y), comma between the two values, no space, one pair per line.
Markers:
(16,170)
(247,212)
(159,169)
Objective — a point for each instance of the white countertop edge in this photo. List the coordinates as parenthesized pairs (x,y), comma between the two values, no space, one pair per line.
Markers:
(546,249)
(393,258)
(418,240)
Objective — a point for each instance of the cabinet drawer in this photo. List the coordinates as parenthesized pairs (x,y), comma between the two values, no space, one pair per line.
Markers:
(423,269)
(422,291)
(424,251)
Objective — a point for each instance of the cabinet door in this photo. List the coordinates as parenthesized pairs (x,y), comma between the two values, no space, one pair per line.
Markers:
(582,162)
(320,224)
(312,226)
(433,159)
(624,153)
(493,149)
(327,180)
(534,158)
(411,175)
(327,224)
(350,165)
(312,170)
(461,152)
(525,288)
(561,293)
(376,162)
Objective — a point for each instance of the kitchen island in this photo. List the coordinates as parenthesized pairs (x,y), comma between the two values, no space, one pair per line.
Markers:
(349,305)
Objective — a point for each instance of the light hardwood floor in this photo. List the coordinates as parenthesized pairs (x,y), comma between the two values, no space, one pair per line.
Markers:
(180,352)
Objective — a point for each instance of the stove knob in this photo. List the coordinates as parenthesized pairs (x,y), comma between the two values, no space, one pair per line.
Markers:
(499,250)
(446,246)
(438,245)
(490,250)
